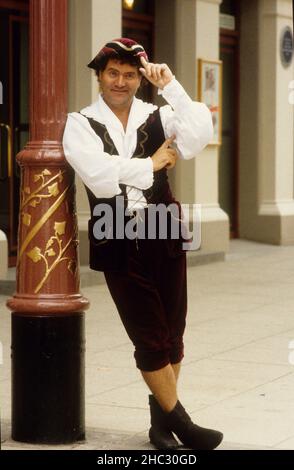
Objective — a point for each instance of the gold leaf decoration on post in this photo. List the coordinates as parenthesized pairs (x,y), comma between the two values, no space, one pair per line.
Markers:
(35,254)
(49,242)
(59,228)
(53,189)
(34,197)
(60,247)
(26,218)
(40,222)
(34,203)
(54,250)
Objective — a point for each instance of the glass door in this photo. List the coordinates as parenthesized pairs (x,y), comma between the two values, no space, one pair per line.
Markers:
(229,150)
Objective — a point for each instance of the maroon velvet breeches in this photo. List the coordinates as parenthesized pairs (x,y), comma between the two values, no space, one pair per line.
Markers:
(151,299)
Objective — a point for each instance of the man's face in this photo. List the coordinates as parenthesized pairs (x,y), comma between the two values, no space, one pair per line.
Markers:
(119,84)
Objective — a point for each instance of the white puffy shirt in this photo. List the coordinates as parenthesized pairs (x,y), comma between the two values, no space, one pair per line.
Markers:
(102,173)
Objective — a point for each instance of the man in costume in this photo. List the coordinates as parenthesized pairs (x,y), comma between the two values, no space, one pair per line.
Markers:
(122,148)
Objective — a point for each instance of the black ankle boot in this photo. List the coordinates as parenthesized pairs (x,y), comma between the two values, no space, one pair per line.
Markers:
(160,436)
(191,435)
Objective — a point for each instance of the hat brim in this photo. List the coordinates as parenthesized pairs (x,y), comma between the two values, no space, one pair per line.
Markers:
(120,49)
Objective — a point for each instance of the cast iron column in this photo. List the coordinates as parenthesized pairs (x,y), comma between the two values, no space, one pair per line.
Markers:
(47,309)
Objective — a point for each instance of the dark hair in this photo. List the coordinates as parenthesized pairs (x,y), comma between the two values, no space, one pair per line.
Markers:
(122,58)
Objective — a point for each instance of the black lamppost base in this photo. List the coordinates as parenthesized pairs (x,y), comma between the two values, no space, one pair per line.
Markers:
(48,378)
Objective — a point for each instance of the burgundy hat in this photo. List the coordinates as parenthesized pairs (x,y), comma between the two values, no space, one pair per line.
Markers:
(123,47)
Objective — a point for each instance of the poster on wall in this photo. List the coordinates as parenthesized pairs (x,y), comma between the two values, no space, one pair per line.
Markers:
(210,93)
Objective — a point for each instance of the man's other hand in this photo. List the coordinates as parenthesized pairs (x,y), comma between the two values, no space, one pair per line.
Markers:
(165,157)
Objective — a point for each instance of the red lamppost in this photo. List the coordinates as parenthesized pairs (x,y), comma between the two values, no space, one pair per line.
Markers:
(47,309)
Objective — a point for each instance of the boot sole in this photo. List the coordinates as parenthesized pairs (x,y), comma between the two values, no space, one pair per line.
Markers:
(158,444)
(215,445)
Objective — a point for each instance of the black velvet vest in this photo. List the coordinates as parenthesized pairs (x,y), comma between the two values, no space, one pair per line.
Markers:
(111,254)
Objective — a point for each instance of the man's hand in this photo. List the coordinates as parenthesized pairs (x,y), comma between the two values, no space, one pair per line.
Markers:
(165,156)
(158,74)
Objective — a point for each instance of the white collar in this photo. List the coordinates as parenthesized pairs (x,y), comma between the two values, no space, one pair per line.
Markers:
(139,112)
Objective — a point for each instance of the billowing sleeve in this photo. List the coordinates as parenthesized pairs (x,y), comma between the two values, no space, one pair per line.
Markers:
(101,172)
(188,120)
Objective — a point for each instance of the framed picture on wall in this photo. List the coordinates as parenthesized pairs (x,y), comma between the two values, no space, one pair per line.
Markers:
(210,93)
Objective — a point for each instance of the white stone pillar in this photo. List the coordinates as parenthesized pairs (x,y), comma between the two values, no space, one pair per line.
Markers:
(266,170)
(275,122)
(215,222)
(106,25)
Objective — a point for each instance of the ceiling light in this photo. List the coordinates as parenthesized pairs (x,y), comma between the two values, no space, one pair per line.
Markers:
(128,4)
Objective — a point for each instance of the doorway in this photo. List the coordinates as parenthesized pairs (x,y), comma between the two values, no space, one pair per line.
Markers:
(14,112)
(229,150)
